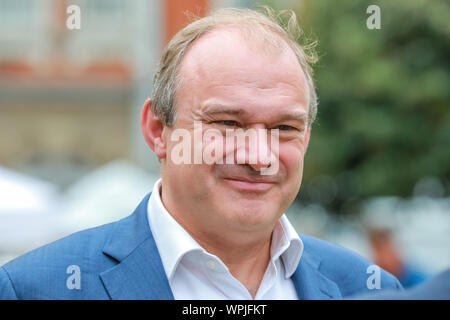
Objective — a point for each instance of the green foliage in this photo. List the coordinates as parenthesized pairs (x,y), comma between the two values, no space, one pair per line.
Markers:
(384,118)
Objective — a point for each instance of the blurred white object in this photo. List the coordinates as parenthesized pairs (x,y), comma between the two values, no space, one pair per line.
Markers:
(27,213)
(23,194)
(106,194)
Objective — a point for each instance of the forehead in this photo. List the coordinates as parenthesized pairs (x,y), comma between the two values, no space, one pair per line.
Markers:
(228,65)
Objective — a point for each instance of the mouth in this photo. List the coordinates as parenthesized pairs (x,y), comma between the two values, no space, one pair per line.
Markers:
(245,184)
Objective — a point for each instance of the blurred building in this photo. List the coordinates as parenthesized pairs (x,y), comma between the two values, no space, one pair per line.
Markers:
(70,100)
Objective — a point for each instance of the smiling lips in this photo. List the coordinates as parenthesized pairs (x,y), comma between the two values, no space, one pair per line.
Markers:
(256,184)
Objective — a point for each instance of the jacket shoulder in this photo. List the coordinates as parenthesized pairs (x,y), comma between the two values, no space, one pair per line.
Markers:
(351,272)
(31,275)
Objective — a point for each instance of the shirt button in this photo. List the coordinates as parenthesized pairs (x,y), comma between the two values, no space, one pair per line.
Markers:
(211,264)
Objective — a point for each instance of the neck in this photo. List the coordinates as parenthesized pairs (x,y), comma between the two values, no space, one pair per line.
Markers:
(246,260)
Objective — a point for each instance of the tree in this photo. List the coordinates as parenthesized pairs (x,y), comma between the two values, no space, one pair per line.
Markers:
(384,120)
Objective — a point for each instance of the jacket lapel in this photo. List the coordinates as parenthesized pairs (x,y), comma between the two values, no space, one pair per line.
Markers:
(139,273)
(311,284)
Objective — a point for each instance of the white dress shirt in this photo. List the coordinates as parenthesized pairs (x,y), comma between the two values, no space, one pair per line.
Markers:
(195,274)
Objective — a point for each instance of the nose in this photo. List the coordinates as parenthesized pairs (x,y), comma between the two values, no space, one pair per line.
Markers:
(256,151)
(260,166)
(263,157)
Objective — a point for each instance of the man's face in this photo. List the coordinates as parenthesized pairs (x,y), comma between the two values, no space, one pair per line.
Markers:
(227,84)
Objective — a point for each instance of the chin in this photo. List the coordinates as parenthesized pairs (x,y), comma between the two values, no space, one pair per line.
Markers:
(251,212)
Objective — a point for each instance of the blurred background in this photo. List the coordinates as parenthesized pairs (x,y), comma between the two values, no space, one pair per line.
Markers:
(377,172)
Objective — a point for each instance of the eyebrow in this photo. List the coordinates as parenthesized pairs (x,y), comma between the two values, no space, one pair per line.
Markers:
(214,110)
(301,116)
(219,109)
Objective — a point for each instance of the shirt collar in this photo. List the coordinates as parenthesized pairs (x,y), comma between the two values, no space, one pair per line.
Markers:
(174,242)
(286,244)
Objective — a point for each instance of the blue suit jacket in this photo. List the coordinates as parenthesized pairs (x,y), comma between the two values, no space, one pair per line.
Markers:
(437,288)
(120,260)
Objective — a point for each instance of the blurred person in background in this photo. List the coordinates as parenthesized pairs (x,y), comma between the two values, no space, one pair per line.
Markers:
(387,256)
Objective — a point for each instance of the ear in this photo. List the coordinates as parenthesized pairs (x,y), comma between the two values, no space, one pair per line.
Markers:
(152,129)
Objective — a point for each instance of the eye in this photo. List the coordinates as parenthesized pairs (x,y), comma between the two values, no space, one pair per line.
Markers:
(285,127)
(228,123)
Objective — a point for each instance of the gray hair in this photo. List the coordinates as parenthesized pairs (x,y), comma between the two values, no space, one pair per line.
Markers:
(267,24)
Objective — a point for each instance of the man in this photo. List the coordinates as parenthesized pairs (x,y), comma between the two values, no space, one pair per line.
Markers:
(213,227)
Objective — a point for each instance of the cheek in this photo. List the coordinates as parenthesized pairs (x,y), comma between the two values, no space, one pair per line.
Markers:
(213,147)
(291,158)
